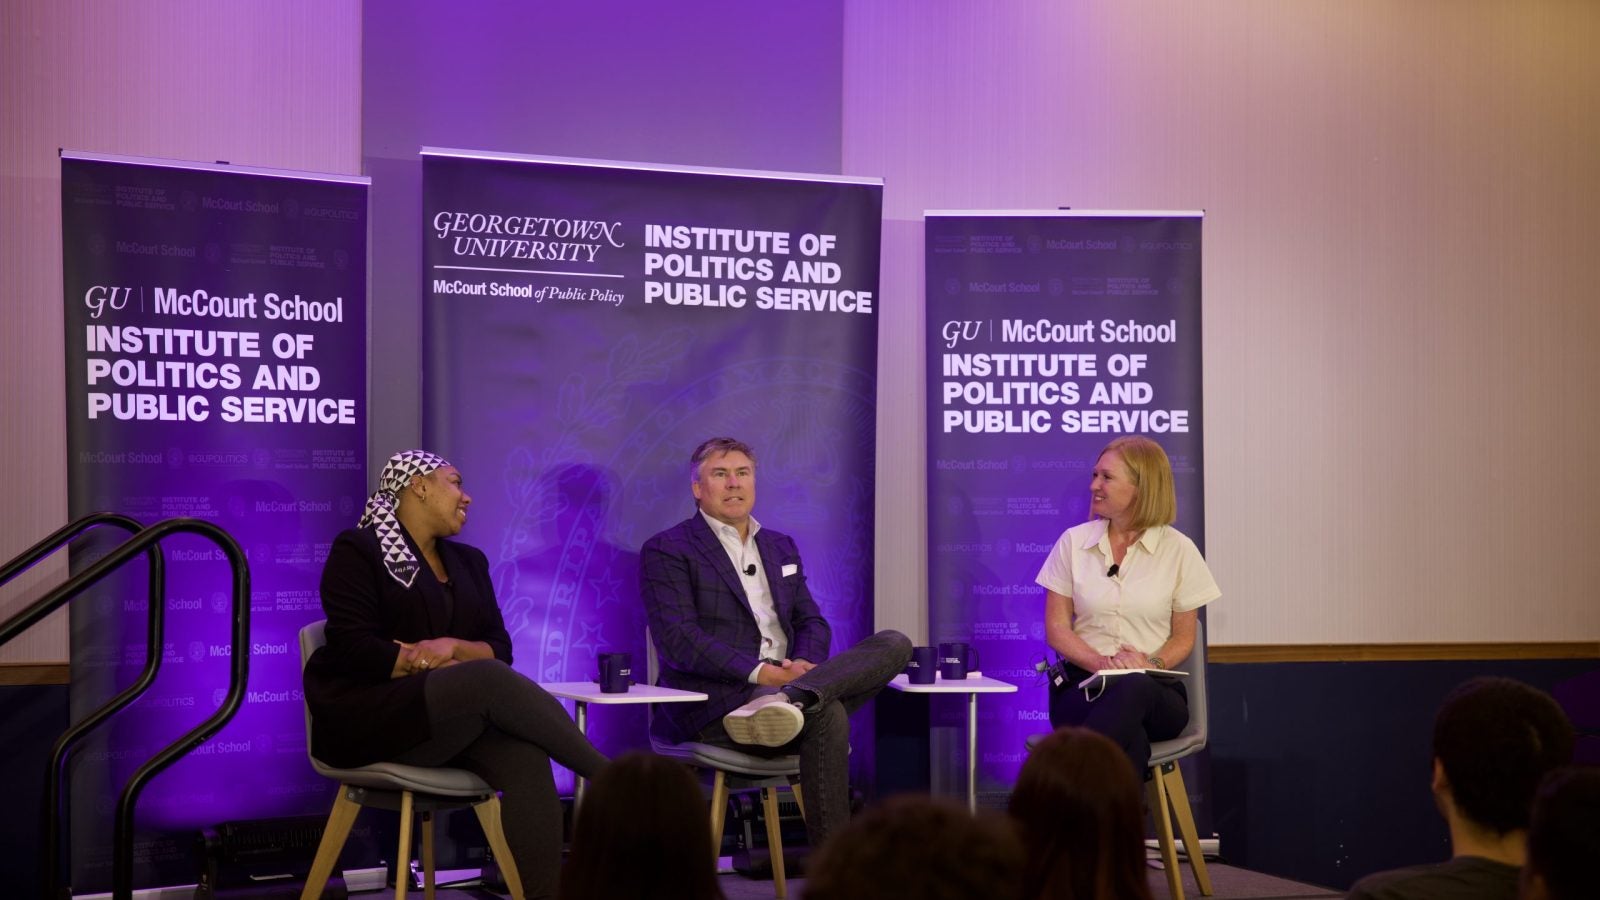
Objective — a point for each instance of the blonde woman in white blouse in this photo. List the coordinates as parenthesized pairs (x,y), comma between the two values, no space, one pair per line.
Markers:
(1123,591)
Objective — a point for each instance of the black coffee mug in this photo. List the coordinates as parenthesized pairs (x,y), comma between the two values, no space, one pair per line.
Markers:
(923,666)
(953,657)
(614,671)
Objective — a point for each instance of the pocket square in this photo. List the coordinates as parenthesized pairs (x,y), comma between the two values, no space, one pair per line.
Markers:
(790,569)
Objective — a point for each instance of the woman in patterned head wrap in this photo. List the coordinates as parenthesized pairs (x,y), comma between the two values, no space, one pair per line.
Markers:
(417,667)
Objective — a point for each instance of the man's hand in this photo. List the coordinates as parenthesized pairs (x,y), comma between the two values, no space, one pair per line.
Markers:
(801,666)
(777,676)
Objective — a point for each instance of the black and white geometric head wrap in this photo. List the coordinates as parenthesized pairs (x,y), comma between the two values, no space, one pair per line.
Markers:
(379,512)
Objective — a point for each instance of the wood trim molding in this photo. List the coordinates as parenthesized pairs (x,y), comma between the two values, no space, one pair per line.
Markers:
(1276,653)
(34,673)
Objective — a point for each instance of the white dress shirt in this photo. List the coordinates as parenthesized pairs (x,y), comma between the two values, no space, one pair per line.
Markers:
(774,642)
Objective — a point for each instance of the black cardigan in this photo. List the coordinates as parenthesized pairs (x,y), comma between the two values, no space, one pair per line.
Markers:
(359,714)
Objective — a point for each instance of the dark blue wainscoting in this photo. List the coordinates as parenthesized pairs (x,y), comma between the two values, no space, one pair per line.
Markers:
(31,718)
(1319,772)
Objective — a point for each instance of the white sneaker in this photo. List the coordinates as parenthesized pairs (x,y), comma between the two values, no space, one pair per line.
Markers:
(769,720)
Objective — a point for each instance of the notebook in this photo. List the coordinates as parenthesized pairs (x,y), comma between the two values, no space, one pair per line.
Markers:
(1108,674)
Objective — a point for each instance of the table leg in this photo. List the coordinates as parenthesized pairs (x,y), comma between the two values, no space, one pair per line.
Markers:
(972,752)
(580,712)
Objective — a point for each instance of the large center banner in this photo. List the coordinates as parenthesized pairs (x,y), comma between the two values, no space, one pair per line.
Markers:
(1049,334)
(216,368)
(589,323)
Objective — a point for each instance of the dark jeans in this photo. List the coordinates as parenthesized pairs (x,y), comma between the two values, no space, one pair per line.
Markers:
(843,684)
(491,720)
(1133,711)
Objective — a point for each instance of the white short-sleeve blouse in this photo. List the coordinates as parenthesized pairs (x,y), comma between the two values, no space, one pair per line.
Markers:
(1162,573)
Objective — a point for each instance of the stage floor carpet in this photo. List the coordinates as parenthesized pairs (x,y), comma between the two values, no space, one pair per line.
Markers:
(1228,882)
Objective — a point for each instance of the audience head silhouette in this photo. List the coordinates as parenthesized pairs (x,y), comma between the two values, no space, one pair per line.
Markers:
(1076,804)
(1494,739)
(642,832)
(916,846)
(1564,836)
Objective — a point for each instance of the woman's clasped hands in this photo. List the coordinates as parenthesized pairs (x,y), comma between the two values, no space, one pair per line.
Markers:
(1128,658)
(423,656)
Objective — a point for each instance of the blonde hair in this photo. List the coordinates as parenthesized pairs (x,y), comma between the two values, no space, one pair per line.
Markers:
(1156,502)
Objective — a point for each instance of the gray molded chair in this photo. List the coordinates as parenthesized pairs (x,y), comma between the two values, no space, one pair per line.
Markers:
(410,790)
(1169,800)
(732,770)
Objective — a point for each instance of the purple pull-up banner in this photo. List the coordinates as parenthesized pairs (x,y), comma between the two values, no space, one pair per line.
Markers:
(1049,334)
(216,368)
(589,323)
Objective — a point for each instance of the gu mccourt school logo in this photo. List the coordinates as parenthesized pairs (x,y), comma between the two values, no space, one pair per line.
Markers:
(287,695)
(293,506)
(239,204)
(222,747)
(258,648)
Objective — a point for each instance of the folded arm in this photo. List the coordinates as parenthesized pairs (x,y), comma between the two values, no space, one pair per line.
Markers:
(1058,632)
(350,599)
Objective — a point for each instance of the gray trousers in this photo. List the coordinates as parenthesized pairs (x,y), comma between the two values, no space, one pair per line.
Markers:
(843,684)
(493,721)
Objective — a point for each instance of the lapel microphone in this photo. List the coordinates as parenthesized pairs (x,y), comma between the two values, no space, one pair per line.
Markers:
(1112,572)
(751,569)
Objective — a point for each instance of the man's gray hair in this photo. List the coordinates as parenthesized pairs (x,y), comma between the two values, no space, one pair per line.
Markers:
(716,447)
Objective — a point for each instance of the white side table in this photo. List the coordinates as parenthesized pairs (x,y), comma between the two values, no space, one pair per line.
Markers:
(583,693)
(972,686)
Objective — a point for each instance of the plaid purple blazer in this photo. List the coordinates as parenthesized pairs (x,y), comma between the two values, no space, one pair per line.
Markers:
(702,626)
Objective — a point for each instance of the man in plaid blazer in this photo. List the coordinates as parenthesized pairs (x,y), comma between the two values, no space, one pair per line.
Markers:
(731,616)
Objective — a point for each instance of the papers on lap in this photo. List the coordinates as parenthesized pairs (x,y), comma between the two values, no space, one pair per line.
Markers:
(1109,674)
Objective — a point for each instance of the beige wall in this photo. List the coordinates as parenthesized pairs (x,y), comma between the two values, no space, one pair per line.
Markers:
(1400,315)
(261,83)
(1401,364)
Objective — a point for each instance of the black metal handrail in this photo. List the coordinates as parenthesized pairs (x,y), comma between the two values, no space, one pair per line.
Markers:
(122,832)
(30,557)
(55,790)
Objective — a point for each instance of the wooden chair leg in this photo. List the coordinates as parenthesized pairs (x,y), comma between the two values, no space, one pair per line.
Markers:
(333,837)
(799,801)
(1156,789)
(402,860)
(769,803)
(494,829)
(427,855)
(719,810)
(1179,797)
